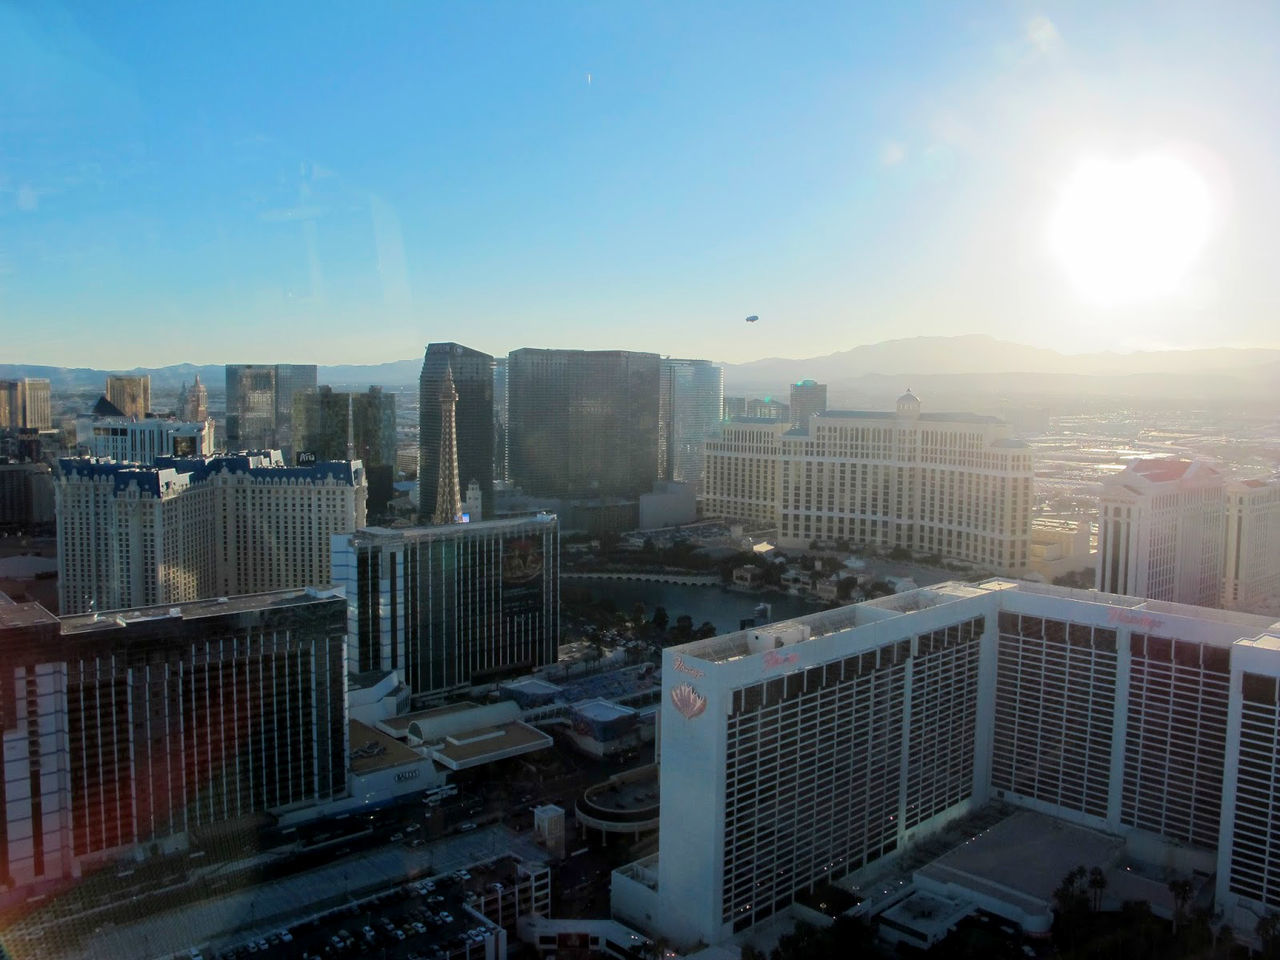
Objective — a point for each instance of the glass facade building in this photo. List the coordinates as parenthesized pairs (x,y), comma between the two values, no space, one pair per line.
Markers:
(323,421)
(144,726)
(690,412)
(448,606)
(260,404)
(473,422)
(583,423)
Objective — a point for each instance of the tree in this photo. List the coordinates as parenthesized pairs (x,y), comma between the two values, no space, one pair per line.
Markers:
(1268,931)
(900,554)
(706,630)
(1097,883)
(637,612)
(1071,898)
(1180,887)
(660,618)
(684,627)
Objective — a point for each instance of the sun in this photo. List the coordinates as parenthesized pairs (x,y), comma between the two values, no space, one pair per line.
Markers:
(1128,232)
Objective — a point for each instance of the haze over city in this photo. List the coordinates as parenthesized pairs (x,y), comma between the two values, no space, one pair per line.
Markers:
(341,185)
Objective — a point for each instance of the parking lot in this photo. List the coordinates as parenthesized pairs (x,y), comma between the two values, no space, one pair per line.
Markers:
(255,913)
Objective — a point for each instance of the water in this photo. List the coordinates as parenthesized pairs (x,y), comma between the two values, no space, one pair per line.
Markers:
(724,608)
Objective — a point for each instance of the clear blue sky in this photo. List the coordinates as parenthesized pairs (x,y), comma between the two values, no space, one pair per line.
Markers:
(343,182)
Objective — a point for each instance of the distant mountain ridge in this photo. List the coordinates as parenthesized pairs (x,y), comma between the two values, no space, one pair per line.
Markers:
(974,363)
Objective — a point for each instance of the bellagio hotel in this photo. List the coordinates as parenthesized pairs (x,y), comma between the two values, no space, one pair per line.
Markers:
(954,484)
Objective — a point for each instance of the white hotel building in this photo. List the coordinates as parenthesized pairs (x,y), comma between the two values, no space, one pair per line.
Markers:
(185,529)
(142,441)
(1251,561)
(814,749)
(1160,531)
(955,484)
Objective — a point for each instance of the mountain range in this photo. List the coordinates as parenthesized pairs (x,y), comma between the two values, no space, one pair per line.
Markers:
(976,365)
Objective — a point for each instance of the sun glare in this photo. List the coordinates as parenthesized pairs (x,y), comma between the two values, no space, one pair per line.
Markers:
(1127,232)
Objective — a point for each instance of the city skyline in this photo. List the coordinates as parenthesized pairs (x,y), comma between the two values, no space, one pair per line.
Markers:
(608,179)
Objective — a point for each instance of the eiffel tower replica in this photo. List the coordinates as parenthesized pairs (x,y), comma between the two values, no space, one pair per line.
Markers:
(448,494)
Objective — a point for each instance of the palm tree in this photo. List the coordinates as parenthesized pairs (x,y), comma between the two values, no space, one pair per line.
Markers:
(1268,931)
(1097,883)
(1180,887)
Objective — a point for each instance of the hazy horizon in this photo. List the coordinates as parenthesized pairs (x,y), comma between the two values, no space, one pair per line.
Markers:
(328,185)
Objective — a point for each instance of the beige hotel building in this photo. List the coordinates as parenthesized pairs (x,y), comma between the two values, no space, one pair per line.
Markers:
(954,484)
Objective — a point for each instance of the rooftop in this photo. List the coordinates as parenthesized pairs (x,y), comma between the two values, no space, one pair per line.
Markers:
(373,750)
(194,609)
(401,723)
(1023,858)
(489,744)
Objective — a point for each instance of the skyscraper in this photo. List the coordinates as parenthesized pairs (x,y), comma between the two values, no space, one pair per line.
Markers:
(130,394)
(193,402)
(292,380)
(251,407)
(583,423)
(690,412)
(260,405)
(185,529)
(1161,528)
(323,420)
(500,469)
(807,398)
(144,726)
(472,373)
(448,496)
(25,404)
(448,606)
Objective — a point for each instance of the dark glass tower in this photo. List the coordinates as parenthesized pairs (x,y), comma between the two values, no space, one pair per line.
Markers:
(583,423)
(473,421)
(324,421)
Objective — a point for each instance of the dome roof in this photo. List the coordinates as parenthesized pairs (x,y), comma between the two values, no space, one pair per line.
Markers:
(908,397)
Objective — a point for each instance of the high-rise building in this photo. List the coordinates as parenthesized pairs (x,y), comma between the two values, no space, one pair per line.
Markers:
(953,484)
(1161,528)
(807,398)
(292,380)
(690,411)
(142,441)
(500,470)
(767,409)
(324,422)
(130,394)
(26,497)
(472,373)
(1251,582)
(583,423)
(260,404)
(735,407)
(193,402)
(448,606)
(186,529)
(138,728)
(26,404)
(813,750)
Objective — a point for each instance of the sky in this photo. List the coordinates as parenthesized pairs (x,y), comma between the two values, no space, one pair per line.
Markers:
(343,183)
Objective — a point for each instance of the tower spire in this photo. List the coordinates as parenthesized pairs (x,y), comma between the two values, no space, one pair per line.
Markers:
(448,494)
